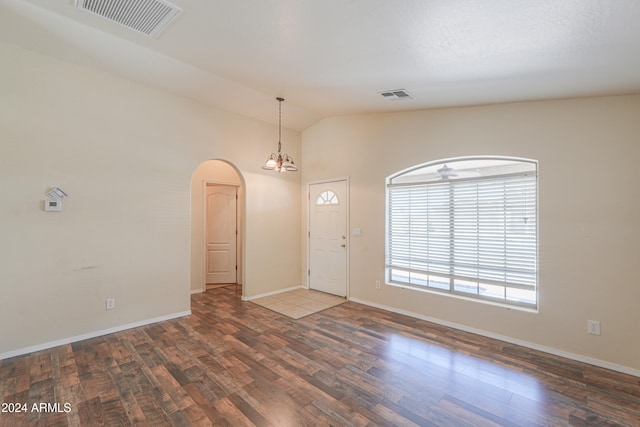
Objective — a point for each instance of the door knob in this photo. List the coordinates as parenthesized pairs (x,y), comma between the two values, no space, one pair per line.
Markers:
(343,245)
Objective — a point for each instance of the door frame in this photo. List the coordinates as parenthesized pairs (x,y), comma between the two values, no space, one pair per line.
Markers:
(347,231)
(239,259)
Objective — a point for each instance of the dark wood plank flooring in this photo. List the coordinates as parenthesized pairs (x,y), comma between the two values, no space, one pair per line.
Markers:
(233,363)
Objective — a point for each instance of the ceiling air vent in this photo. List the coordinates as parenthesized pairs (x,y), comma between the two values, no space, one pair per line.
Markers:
(149,17)
(396,95)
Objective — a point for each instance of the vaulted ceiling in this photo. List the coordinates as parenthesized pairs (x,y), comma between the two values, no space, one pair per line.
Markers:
(333,57)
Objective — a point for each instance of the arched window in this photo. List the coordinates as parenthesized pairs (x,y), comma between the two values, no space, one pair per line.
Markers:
(467,227)
(327,198)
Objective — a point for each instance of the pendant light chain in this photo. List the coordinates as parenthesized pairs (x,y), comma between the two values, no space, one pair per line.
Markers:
(280,124)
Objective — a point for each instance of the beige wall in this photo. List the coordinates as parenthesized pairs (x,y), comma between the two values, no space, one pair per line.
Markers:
(589,211)
(219,172)
(125,153)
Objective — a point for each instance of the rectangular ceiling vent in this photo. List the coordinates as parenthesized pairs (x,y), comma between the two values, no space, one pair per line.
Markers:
(149,17)
(396,95)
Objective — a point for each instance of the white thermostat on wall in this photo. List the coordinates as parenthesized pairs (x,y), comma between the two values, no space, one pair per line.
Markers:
(53,205)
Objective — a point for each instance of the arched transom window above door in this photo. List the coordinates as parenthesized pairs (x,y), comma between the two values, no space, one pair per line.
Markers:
(327,198)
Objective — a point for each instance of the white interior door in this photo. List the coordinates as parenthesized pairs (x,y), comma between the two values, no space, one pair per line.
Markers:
(328,207)
(221,205)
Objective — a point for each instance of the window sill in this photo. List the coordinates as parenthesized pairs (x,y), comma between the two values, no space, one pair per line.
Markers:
(462,297)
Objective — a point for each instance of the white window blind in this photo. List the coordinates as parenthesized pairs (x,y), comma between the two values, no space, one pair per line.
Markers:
(475,237)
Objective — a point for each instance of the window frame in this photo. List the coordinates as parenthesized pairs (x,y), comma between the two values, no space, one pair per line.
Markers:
(450,290)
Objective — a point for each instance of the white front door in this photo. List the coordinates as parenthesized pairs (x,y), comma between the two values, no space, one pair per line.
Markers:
(328,207)
(221,234)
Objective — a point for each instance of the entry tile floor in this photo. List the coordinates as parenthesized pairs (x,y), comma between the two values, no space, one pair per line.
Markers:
(299,303)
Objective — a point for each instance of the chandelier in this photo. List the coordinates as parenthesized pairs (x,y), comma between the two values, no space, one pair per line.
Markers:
(279,162)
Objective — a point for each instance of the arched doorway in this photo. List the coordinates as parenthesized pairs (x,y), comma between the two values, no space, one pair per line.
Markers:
(213,185)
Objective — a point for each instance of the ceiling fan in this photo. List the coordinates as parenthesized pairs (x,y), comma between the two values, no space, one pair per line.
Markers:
(446,172)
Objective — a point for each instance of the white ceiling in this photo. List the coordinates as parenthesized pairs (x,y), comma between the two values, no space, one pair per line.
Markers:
(332,57)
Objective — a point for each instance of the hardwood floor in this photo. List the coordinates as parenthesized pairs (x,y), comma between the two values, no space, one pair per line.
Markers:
(234,363)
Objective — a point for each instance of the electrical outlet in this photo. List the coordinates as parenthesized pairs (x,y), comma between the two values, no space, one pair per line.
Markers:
(111,303)
(378,284)
(593,327)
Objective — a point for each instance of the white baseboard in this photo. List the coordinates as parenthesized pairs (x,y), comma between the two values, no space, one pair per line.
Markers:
(550,350)
(82,337)
(197,291)
(279,291)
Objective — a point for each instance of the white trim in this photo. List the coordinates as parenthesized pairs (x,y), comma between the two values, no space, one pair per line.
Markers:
(327,181)
(447,294)
(556,352)
(279,291)
(89,335)
(225,183)
(197,291)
